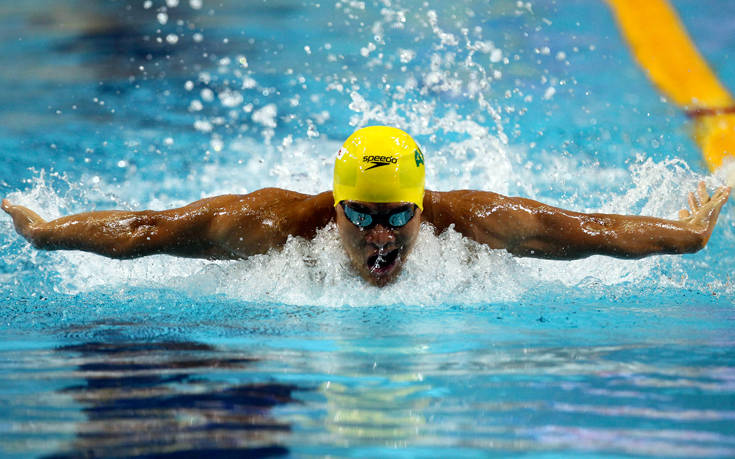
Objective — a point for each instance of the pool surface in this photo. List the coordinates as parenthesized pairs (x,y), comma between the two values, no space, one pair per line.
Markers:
(471,353)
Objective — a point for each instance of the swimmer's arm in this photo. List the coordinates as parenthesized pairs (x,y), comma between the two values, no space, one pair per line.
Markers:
(528,228)
(222,227)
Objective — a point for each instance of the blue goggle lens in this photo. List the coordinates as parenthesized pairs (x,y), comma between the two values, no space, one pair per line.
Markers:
(358,218)
(399,219)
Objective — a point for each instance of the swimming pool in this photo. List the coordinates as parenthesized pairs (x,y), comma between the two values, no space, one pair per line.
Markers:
(470,353)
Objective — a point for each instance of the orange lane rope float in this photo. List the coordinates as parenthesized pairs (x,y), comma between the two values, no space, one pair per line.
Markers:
(663,48)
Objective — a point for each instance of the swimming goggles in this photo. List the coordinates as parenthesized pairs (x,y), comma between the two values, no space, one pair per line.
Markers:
(395,219)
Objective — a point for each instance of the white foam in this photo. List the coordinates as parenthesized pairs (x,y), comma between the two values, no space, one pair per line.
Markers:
(444,269)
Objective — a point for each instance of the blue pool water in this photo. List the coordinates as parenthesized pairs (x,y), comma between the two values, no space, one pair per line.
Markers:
(153,104)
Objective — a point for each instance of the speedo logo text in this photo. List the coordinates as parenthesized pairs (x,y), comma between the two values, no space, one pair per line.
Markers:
(378,161)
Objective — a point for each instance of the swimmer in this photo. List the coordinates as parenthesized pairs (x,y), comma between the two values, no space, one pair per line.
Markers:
(378,203)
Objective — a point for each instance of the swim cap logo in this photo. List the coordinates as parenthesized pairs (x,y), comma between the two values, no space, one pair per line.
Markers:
(418,157)
(378,161)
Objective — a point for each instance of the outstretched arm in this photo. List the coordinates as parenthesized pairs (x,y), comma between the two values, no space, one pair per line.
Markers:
(529,228)
(222,227)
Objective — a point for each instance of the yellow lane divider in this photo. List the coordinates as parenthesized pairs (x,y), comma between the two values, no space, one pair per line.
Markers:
(662,47)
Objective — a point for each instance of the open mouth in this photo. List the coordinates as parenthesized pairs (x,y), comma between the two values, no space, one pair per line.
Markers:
(381,263)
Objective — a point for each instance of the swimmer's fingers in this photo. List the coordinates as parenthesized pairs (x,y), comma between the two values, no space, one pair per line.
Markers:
(693,204)
(711,210)
(714,203)
(21,213)
(704,208)
(702,195)
(9,208)
(722,194)
(24,219)
(719,198)
(698,198)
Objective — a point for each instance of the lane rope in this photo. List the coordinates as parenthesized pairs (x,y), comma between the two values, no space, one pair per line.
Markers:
(663,48)
(697,112)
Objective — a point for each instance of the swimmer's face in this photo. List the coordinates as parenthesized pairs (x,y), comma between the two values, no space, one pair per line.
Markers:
(378,250)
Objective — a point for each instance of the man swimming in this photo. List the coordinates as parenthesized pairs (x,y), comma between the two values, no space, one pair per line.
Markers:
(378,203)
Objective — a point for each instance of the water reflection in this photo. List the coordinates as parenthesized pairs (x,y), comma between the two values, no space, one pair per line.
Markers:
(389,411)
(168,399)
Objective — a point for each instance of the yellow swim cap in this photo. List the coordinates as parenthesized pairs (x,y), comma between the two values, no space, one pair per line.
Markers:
(379,164)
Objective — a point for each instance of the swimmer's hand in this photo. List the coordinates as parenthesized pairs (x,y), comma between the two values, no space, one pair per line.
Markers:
(26,221)
(704,210)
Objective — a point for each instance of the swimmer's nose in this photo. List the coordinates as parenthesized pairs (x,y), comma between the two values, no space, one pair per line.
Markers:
(380,236)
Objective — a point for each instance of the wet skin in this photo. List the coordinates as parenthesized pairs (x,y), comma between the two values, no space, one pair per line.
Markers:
(379,251)
(239,226)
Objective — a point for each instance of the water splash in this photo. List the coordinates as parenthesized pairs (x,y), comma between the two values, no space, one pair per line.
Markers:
(268,124)
(443,269)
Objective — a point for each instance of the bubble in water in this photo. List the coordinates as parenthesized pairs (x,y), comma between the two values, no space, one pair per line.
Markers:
(406,55)
(266,115)
(365,51)
(312,131)
(217,144)
(230,98)
(195,106)
(248,83)
(207,95)
(203,126)
(496,56)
